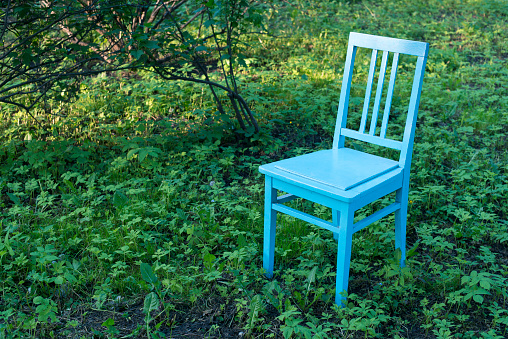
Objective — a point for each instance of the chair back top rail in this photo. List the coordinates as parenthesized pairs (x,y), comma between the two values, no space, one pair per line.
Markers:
(386,45)
(416,48)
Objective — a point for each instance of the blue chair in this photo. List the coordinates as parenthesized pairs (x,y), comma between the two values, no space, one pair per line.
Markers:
(345,179)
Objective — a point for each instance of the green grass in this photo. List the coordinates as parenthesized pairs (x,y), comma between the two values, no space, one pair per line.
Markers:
(141,213)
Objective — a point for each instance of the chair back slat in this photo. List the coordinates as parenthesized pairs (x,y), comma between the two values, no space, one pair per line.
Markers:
(368,92)
(389,95)
(379,91)
(387,45)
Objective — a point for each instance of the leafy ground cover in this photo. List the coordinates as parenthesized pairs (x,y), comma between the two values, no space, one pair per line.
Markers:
(141,214)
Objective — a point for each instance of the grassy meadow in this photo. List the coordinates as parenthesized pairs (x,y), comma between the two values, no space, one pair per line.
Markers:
(140,213)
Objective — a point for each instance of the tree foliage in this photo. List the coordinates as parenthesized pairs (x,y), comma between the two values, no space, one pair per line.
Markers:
(49,46)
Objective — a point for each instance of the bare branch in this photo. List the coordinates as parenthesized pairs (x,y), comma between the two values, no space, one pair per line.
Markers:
(193,18)
(157,7)
(6,11)
(168,11)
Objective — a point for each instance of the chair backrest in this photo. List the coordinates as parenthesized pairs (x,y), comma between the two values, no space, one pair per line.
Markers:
(387,46)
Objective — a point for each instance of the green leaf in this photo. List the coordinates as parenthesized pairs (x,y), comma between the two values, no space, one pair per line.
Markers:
(142,154)
(147,274)
(132,152)
(201,49)
(208,23)
(242,242)
(137,54)
(38,300)
(14,198)
(70,185)
(485,284)
(151,302)
(46,309)
(412,252)
(312,276)
(108,323)
(391,273)
(120,199)
(208,258)
(130,145)
(7,244)
(241,60)
(151,45)
(26,56)
(70,278)
(478,298)
(287,332)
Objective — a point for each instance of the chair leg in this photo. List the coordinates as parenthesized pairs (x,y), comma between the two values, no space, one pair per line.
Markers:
(335,219)
(400,224)
(345,234)
(269,227)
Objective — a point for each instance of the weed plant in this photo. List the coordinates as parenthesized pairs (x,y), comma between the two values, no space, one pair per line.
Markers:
(140,215)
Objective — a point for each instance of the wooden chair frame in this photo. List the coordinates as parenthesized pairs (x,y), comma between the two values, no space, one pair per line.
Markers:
(346,188)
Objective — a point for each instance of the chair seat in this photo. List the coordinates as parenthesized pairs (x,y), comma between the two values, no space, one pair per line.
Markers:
(337,172)
(342,168)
